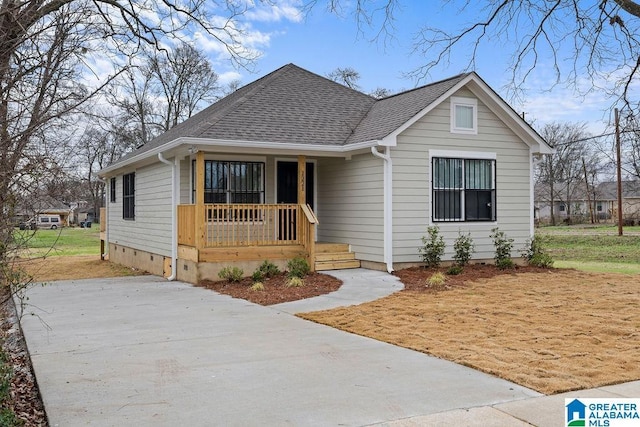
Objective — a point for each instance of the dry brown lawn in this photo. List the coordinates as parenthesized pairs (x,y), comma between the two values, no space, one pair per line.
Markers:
(552,331)
(74,267)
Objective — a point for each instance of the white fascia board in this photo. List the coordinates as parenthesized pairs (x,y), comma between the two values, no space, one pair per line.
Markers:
(391,139)
(147,155)
(255,147)
(278,146)
(496,104)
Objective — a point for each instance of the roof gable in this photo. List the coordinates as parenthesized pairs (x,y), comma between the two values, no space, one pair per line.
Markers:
(389,114)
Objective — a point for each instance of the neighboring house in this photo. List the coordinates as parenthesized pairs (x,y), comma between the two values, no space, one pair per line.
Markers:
(573,209)
(294,157)
(607,198)
(604,203)
(45,205)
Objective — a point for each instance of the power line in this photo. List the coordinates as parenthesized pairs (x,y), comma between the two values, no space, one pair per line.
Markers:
(562,144)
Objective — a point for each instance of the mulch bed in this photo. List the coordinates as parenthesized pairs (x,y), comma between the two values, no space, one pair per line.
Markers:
(415,278)
(275,288)
(25,400)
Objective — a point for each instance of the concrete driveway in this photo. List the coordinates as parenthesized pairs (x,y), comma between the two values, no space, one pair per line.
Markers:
(146,352)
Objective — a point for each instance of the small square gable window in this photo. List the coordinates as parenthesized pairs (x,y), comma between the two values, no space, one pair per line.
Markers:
(464,115)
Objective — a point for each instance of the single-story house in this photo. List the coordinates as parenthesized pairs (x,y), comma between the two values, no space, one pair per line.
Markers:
(607,200)
(44,205)
(603,199)
(295,164)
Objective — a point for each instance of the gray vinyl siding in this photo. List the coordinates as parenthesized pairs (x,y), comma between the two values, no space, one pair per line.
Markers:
(412,177)
(151,229)
(350,204)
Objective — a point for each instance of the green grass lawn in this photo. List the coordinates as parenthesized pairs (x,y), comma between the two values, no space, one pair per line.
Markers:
(63,241)
(587,229)
(597,249)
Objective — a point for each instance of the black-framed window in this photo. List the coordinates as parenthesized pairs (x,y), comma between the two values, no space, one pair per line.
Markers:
(231,182)
(463,189)
(128,196)
(112,190)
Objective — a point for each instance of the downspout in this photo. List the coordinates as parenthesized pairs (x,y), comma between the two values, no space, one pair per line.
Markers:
(535,159)
(388,205)
(174,226)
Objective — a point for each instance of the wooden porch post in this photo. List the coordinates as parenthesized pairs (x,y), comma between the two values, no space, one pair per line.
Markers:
(302,177)
(199,217)
(302,201)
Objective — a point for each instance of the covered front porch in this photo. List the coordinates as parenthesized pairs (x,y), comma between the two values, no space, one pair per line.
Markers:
(243,232)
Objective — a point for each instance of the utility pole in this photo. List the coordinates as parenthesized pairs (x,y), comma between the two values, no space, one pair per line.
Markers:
(586,182)
(619,172)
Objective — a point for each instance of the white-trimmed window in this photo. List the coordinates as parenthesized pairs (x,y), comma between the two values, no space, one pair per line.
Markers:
(463,189)
(129,196)
(231,182)
(112,190)
(464,115)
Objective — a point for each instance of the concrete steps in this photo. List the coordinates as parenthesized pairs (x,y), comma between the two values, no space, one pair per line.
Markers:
(334,256)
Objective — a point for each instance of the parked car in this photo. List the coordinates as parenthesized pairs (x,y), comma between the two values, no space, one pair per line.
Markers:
(51,222)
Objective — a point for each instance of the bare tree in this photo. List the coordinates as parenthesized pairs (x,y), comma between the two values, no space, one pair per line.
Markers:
(185,80)
(601,37)
(135,112)
(630,140)
(346,76)
(381,92)
(561,175)
(48,48)
(164,90)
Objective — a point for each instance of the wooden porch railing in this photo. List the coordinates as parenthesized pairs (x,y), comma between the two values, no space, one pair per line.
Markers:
(233,225)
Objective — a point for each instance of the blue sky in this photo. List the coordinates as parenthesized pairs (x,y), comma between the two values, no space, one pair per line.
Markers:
(322,41)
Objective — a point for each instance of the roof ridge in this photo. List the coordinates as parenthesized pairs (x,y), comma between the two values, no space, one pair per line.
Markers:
(457,76)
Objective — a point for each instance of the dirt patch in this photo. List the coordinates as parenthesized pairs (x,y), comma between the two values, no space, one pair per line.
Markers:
(552,331)
(275,288)
(74,268)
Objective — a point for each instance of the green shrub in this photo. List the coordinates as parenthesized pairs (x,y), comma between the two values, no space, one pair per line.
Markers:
(432,247)
(535,254)
(231,274)
(463,248)
(436,279)
(298,267)
(257,276)
(505,263)
(503,247)
(541,260)
(257,286)
(295,282)
(454,270)
(268,269)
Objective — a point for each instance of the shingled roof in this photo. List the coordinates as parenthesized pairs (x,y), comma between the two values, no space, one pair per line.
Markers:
(293,105)
(608,190)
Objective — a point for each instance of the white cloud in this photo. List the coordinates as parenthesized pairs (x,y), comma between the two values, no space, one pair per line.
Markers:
(289,10)
(585,101)
(228,77)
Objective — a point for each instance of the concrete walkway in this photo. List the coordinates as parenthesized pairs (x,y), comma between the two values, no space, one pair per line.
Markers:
(146,352)
(358,285)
